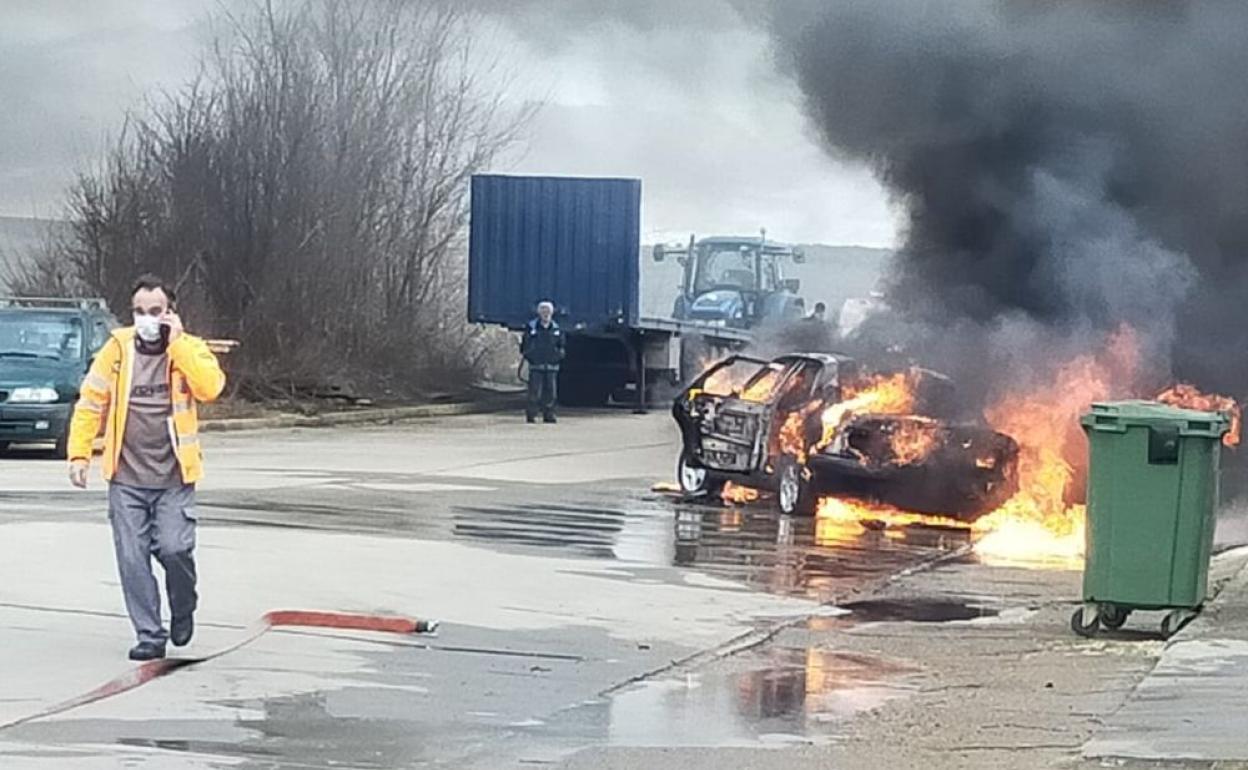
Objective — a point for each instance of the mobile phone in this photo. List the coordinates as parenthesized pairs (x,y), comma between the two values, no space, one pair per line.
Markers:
(165,329)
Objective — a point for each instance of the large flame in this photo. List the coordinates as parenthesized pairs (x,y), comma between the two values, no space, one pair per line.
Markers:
(883,394)
(913,440)
(849,517)
(1044,520)
(1188,396)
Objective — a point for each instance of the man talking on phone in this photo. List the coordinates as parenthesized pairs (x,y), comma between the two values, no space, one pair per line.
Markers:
(144,386)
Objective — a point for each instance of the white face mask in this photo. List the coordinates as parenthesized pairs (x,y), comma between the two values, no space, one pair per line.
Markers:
(147,327)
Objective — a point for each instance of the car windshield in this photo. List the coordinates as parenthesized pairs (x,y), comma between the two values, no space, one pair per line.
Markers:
(30,335)
(763,385)
(731,377)
(729,267)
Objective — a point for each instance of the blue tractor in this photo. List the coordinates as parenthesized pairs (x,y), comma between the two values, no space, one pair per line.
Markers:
(735,281)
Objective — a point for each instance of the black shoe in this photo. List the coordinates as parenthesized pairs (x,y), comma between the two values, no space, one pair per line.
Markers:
(530,420)
(549,418)
(147,651)
(181,630)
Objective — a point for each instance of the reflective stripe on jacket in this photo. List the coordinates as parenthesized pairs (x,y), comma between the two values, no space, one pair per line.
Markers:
(194,377)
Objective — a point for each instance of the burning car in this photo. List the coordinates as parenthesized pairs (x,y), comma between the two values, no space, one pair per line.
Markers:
(812,425)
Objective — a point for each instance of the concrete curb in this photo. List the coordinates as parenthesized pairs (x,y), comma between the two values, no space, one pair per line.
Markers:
(359,417)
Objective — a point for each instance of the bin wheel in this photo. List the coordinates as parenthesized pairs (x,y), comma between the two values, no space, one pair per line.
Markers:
(1085,629)
(1175,621)
(1113,617)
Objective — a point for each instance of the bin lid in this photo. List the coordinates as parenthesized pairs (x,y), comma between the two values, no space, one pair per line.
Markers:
(1117,416)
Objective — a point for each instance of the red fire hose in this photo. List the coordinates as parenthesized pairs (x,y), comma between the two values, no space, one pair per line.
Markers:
(154,669)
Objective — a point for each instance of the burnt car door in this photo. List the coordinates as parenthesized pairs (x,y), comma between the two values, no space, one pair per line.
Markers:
(712,435)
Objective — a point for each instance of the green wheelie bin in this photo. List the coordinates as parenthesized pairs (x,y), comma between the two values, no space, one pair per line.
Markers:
(1152,498)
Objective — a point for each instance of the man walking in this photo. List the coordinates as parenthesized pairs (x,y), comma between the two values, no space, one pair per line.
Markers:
(145,382)
(543,347)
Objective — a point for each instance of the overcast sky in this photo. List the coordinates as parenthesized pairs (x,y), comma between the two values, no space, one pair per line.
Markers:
(679,94)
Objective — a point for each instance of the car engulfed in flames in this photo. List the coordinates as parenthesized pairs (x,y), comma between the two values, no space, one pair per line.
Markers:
(812,425)
(918,464)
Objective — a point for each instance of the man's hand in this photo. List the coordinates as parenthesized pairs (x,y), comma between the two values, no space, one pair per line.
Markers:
(78,473)
(174,323)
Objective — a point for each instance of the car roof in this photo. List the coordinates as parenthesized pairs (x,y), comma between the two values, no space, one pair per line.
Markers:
(48,311)
(822,358)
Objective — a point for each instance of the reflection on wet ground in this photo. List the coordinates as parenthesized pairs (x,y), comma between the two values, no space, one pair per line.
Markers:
(811,557)
(768,696)
(751,544)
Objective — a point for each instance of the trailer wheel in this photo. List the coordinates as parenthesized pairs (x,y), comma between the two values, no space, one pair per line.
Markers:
(695,479)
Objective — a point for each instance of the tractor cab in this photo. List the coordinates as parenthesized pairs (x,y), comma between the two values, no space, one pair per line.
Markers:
(735,281)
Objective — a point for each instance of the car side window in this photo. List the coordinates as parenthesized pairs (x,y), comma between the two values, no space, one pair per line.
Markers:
(800,387)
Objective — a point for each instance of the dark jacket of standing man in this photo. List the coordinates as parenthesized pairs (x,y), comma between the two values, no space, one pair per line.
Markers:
(144,386)
(543,348)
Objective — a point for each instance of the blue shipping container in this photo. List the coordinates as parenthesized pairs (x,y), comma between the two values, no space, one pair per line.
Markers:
(575,241)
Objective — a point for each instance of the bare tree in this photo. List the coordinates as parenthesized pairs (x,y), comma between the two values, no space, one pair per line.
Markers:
(309,190)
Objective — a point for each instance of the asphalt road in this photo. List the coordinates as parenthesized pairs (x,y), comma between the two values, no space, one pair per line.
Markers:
(574,603)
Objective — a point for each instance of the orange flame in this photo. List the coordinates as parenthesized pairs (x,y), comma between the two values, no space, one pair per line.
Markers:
(1043,522)
(913,440)
(738,494)
(791,438)
(847,517)
(1187,396)
(884,394)
(726,381)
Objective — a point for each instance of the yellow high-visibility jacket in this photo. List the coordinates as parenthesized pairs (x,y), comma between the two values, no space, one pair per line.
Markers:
(194,377)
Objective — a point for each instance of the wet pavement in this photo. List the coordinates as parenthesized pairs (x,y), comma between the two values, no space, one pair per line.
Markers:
(580,608)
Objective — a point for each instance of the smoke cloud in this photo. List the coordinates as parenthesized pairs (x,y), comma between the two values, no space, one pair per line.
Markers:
(1065,167)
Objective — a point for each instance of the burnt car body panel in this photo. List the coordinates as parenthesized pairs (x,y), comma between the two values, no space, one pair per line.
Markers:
(970,471)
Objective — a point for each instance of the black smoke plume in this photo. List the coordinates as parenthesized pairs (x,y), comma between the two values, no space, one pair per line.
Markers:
(1063,167)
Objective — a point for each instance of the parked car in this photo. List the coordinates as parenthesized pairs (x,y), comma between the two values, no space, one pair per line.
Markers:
(759,423)
(46,348)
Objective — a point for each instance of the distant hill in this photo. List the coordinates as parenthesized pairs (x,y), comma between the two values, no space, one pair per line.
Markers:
(831,274)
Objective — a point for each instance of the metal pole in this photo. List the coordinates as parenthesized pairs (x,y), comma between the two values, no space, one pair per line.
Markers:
(641,373)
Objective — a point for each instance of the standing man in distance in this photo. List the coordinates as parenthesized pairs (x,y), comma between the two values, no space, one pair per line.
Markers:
(144,385)
(543,348)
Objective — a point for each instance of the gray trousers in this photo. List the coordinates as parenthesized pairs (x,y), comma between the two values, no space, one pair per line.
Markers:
(543,392)
(158,522)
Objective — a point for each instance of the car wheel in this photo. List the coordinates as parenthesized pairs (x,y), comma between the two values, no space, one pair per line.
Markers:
(793,493)
(4,447)
(693,478)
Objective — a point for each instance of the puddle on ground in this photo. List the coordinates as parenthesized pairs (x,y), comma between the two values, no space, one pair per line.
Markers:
(802,556)
(753,545)
(774,697)
(928,610)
